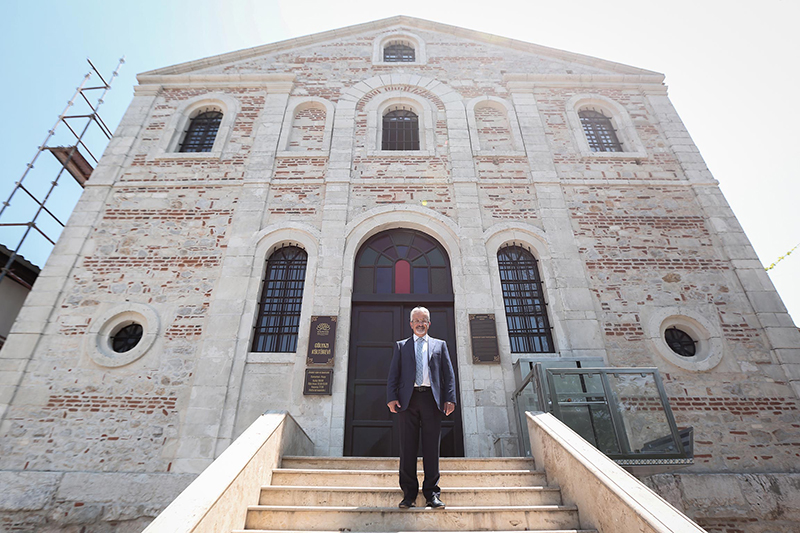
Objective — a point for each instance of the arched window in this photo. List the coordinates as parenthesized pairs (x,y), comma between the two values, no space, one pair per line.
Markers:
(398,53)
(400,130)
(281,299)
(202,132)
(402,262)
(599,132)
(526,311)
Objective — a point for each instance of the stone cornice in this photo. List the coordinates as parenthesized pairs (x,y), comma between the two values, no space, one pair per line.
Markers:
(525,82)
(274,83)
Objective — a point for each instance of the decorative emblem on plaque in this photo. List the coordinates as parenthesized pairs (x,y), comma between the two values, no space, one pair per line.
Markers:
(321,340)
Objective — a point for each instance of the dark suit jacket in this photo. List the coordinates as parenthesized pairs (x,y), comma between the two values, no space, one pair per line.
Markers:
(403,372)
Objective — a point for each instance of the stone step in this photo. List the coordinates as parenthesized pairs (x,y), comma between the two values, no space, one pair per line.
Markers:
(389,478)
(483,531)
(519,518)
(390,497)
(389,463)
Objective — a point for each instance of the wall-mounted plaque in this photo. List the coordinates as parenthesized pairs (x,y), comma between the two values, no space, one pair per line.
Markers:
(321,340)
(483,331)
(318,381)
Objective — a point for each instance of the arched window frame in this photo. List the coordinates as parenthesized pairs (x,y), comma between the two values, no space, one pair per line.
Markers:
(411,39)
(289,329)
(295,105)
(632,146)
(424,260)
(378,107)
(513,124)
(201,125)
(534,240)
(400,130)
(263,244)
(523,340)
(169,145)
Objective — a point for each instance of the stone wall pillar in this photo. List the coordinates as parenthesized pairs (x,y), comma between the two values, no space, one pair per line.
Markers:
(768,311)
(210,415)
(579,333)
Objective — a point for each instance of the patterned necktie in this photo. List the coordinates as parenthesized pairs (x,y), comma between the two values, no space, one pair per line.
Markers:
(418,346)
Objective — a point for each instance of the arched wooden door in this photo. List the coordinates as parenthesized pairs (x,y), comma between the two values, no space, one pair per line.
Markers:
(395,271)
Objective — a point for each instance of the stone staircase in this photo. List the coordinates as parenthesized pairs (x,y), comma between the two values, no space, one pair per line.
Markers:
(340,494)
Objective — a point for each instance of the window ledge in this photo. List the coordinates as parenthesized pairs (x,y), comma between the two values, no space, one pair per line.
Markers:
(281,358)
(183,156)
(401,153)
(614,155)
(398,63)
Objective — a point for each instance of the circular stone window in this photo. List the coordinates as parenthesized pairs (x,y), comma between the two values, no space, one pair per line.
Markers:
(122,334)
(680,342)
(126,338)
(685,338)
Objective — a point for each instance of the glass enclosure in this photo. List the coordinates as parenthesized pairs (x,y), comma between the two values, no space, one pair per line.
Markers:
(624,412)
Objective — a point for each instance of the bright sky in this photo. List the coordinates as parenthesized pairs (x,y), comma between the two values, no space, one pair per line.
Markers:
(731,67)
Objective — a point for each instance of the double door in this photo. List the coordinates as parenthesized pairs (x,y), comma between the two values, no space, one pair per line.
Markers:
(370,428)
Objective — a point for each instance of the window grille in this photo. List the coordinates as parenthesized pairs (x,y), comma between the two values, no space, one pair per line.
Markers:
(127,338)
(398,53)
(400,130)
(599,132)
(281,299)
(202,132)
(680,342)
(523,295)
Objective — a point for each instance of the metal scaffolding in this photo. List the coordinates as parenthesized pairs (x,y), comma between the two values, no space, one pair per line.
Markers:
(71,159)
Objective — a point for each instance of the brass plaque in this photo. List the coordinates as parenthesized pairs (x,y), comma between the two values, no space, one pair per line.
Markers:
(321,340)
(318,381)
(483,331)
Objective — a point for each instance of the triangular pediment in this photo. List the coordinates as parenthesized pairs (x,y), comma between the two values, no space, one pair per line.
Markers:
(251,60)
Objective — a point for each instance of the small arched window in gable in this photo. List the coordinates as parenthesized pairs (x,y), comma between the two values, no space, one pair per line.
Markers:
(281,300)
(400,130)
(599,131)
(399,52)
(523,295)
(202,132)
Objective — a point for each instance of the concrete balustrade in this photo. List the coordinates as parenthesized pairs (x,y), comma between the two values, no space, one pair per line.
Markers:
(608,498)
(217,500)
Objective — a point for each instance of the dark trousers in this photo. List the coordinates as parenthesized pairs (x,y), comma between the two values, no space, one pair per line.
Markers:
(422,417)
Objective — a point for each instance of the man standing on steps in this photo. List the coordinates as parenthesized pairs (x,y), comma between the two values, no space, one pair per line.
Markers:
(421,386)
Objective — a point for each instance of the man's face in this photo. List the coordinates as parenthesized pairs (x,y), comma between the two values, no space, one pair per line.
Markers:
(420,323)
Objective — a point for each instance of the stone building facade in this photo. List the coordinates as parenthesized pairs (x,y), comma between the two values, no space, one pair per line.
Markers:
(627,243)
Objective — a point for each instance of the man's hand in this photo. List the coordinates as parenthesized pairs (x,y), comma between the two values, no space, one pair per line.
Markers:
(394,406)
(449,407)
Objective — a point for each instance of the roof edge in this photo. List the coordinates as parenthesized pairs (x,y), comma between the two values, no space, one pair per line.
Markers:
(398,20)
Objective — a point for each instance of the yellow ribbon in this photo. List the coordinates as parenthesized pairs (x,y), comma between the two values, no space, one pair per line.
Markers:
(784,256)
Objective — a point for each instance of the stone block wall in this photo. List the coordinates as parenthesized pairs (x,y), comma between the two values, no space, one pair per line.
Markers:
(626,243)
